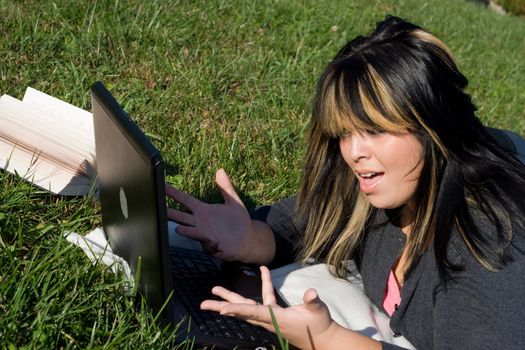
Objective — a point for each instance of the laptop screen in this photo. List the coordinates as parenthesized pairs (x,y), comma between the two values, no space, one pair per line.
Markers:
(131,181)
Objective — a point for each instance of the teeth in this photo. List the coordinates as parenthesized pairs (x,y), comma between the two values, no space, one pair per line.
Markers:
(368,175)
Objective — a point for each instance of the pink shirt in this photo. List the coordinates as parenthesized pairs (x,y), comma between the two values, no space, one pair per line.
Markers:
(392,295)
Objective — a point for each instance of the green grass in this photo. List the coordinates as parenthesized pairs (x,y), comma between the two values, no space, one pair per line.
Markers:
(214,84)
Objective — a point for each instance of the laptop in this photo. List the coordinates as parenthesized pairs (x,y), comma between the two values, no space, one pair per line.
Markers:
(134,215)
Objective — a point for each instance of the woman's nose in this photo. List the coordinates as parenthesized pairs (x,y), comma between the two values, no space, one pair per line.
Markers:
(354,148)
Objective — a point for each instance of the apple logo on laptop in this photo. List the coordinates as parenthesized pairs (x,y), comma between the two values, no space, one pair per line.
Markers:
(123,203)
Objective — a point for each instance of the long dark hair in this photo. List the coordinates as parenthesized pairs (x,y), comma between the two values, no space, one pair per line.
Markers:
(401,77)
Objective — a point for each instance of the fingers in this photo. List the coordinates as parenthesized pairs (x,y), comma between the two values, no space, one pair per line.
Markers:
(311,300)
(310,296)
(253,313)
(238,306)
(182,197)
(230,296)
(268,294)
(223,182)
(190,232)
(226,187)
(249,313)
(213,305)
(256,314)
(181,217)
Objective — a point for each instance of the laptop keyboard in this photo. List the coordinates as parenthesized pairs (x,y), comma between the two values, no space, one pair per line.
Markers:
(194,274)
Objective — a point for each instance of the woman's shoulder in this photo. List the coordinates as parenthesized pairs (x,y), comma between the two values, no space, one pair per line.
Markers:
(460,254)
(509,141)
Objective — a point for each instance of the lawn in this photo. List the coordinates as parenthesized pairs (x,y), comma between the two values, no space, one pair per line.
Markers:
(213,84)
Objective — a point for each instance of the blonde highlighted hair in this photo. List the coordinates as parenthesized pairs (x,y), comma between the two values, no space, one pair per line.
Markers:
(399,78)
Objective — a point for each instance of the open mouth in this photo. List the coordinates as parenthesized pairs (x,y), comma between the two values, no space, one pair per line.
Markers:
(369,180)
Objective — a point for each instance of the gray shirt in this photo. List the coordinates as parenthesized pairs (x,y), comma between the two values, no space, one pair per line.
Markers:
(479,309)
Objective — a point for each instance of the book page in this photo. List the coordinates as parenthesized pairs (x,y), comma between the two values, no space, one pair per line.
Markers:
(60,110)
(52,147)
(29,128)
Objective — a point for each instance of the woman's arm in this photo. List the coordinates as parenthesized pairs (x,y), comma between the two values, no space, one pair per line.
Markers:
(286,230)
(261,248)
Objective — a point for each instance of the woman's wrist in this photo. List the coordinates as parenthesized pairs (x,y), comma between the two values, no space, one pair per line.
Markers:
(260,246)
(336,336)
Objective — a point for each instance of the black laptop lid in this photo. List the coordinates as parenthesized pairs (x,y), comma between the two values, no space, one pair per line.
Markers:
(131,181)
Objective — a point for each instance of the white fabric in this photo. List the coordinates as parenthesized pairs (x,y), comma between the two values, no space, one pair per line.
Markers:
(97,249)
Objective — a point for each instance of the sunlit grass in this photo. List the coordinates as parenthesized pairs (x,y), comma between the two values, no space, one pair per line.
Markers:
(214,84)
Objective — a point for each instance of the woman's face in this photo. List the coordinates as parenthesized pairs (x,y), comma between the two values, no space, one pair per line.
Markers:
(387,165)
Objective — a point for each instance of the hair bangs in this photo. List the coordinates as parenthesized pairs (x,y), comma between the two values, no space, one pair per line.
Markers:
(337,114)
(358,103)
(381,105)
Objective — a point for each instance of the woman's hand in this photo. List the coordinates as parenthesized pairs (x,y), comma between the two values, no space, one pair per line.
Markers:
(306,325)
(224,229)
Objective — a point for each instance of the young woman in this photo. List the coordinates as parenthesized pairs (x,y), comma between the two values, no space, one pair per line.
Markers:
(401,177)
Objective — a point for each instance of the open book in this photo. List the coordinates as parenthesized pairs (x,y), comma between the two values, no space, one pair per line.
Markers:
(48,142)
